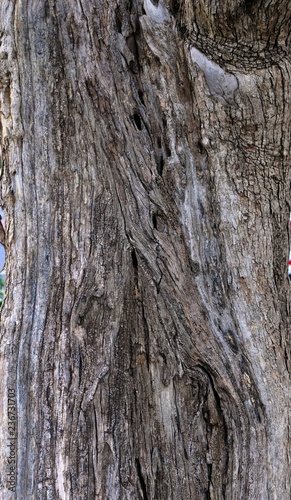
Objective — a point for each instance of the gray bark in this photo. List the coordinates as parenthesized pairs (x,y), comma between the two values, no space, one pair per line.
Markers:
(145,350)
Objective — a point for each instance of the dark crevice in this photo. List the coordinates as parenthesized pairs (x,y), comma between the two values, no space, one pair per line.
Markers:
(137,120)
(140,95)
(168,151)
(155,222)
(134,260)
(118,20)
(159,142)
(250,5)
(131,43)
(161,165)
(135,267)
(133,66)
(209,473)
(141,479)
(200,148)
(175,7)
(164,357)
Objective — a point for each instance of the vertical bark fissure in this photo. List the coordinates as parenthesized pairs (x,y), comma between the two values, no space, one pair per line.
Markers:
(141,479)
(146,319)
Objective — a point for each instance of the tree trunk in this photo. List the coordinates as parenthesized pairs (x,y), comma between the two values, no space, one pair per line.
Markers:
(145,351)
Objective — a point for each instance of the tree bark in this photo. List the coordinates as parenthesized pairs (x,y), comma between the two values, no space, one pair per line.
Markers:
(145,345)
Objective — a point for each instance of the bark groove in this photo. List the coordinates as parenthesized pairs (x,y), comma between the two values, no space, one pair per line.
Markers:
(146,185)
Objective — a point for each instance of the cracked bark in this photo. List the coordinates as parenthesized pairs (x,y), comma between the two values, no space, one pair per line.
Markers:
(146,188)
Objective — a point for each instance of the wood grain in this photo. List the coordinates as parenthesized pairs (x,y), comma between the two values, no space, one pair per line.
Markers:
(146,189)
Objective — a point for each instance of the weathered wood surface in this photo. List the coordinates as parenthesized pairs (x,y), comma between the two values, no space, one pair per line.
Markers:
(146,188)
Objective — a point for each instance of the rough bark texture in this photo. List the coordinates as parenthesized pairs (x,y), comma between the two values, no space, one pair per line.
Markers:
(146,187)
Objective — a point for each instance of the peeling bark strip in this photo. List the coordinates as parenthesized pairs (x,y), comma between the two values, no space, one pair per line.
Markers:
(146,189)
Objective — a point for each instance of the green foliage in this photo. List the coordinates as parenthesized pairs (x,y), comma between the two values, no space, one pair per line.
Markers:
(1,289)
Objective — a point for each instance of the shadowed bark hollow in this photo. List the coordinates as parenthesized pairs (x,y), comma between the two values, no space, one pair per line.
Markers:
(145,351)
